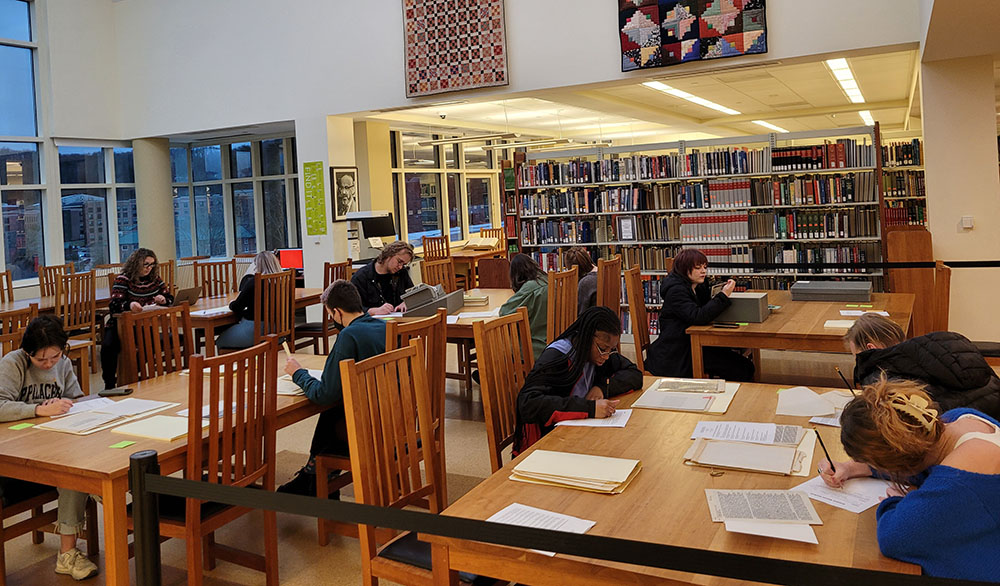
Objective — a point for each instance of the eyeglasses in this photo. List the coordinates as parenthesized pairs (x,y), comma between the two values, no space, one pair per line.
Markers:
(608,352)
(149,265)
(400,262)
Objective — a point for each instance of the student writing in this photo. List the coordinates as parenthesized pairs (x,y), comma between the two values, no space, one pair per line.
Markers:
(382,282)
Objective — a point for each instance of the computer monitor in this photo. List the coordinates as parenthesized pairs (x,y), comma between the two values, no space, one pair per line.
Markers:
(290,258)
(381,226)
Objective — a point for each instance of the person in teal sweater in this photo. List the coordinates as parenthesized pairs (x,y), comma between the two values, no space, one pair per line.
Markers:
(361,336)
(531,290)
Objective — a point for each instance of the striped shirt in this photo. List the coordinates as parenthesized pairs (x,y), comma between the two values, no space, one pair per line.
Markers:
(141,291)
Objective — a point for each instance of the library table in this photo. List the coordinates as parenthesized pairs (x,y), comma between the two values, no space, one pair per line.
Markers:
(664,504)
(304,297)
(87,463)
(466,259)
(798,325)
(47,303)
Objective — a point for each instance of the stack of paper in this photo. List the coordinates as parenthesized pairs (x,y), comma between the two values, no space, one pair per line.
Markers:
(838,323)
(287,387)
(784,514)
(618,419)
(580,471)
(211,312)
(479,314)
(476,299)
(159,427)
(525,516)
(104,415)
(754,447)
(839,400)
(688,395)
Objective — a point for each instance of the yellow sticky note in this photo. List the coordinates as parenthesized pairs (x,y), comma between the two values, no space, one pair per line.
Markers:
(123,444)
(869,305)
(20,426)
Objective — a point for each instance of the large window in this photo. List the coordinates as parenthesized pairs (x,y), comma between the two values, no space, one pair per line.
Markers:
(467,172)
(235,199)
(85,227)
(22,232)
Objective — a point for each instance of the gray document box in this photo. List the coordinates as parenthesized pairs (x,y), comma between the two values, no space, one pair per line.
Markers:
(746,307)
(848,291)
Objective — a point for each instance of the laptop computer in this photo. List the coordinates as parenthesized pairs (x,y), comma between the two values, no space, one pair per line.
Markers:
(190,295)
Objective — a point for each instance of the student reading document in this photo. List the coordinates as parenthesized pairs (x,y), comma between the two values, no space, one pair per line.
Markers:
(240,335)
(574,377)
(36,381)
(382,282)
(531,290)
(948,522)
(361,336)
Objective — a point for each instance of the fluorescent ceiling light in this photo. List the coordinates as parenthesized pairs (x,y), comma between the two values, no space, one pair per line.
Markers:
(867,117)
(458,139)
(575,145)
(660,86)
(769,125)
(841,71)
(530,143)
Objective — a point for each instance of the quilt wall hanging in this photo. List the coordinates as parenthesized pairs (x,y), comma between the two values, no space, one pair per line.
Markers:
(657,33)
(453,45)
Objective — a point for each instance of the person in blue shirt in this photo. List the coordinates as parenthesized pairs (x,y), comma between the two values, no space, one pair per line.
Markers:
(947,520)
(361,336)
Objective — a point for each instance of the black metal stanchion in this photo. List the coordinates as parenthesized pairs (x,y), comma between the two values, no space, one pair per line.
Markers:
(146,518)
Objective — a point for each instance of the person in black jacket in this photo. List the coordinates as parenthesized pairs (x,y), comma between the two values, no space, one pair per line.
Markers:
(383,281)
(947,363)
(240,334)
(687,301)
(574,377)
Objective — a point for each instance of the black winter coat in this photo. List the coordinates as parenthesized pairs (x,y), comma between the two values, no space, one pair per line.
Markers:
(955,373)
(372,294)
(670,354)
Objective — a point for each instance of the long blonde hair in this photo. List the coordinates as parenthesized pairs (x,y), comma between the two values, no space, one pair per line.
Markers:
(872,328)
(264,263)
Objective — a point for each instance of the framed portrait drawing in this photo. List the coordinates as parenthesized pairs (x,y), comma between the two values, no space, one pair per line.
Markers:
(344,191)
(626,228)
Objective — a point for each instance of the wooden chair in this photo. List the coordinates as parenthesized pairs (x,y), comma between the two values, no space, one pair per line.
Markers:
(494,273)
(274,306)
(168,272)
(193,258)
(637,311)
(388,409)
(609,283)
(16,320)
(562,302)
(436,247)
(505,359)
(48,276)
(6,287)
(322,330)
(243,261)
(108,269)
(439,272)
(76,304)
(154,343)
(216,279)
(239,451)
(10,342)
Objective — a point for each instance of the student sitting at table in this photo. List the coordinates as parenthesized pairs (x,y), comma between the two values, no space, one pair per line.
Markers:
(687,301)
(531,290)
(138,285)
(361,336)
(382,282)
(574,377)
(240,334)
(948,522)
(952,369)
(586,270)
(37,381)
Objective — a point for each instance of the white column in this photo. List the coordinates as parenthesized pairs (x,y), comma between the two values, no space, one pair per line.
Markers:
(154,201)
(374,165)
(959,125)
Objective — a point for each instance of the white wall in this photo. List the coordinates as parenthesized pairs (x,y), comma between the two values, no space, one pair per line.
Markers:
(187,65)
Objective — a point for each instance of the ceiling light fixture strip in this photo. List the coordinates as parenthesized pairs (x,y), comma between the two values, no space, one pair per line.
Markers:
(660,86)
(458,139)
(841,71)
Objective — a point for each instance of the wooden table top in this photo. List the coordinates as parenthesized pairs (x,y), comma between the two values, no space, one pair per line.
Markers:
(666,502)
(303,297)
(468,253)
(806,318)
(48,302)
(463,327)
(89,455)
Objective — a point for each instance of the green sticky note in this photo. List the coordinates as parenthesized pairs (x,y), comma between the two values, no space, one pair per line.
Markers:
(869,305)
(123,444)
(742,323)
(852,305)
(782,389)
(20,426)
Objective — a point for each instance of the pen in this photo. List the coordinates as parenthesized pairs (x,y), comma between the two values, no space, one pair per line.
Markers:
(849,386)
(828,458)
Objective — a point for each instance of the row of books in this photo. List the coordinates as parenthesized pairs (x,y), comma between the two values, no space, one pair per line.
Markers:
(799,224)
(905,213)
(898,153)
(844,153)
(557,232)
(717,226)
(653,318)
(650,290)
(854,254)
(903,183)
(823,189)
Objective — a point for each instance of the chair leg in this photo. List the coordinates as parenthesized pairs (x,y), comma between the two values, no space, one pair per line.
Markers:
(194,547)
(3,566)
(322,491)
(93,540)
(208,552)
(271,547)
(37,537)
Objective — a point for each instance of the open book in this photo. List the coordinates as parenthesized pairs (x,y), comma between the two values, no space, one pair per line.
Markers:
(481,243)
(106,415)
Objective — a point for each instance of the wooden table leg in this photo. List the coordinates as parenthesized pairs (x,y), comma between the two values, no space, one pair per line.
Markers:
(755,356)
(697,364)
(115,531)
(440,562)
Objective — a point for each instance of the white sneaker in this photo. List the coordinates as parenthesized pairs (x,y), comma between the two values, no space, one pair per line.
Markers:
(74,563)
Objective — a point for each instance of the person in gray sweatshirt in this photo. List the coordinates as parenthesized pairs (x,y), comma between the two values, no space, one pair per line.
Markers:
(37,381)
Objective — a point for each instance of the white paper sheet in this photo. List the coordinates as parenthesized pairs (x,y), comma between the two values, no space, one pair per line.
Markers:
(212,311)
(857,495)
(776,506)
(131,406)
(453,319)
(802,402)
(839,399)
(80,423)
(790,531)
(745,431)
(838,323)
(479,314)
(860,312)
(673,401)
(287,387)
(618,419)
(831,421)
(525,516)
(88,405)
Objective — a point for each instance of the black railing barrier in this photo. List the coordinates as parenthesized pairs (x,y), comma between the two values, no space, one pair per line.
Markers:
(146,484)
(955,264)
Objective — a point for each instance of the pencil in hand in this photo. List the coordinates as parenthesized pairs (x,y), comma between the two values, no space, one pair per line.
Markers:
(826,453)
(849,386)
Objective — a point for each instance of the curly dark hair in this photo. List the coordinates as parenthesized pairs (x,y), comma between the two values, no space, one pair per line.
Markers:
(393,248)
(133,266)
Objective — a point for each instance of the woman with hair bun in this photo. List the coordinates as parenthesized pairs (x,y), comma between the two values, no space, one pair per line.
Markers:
(948,521)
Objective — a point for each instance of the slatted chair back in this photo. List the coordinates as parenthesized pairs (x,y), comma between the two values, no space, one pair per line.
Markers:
(154,343)
(439,272)
(6,287)
(168,272)
(505,359)
(498,233)
(637,312)
(243,262)
(15,320)
(436,247)
(216,278)
(10,342)
(609,283)
(562,310)
(49,276)
(389,418)
(76,302)
(274,306)
(108,269)
(494,273)
(336,271)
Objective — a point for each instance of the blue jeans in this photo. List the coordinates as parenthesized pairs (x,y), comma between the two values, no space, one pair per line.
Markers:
(239,335)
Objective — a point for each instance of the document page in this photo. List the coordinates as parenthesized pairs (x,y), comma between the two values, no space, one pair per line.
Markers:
(790,531)
(210,312)
(88,405)
(618,419)
(803,402)
(479,314)
(653,399)
(857,495)
(525,516)
(745,431)
(130,406)
(79,423)
(779,506)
